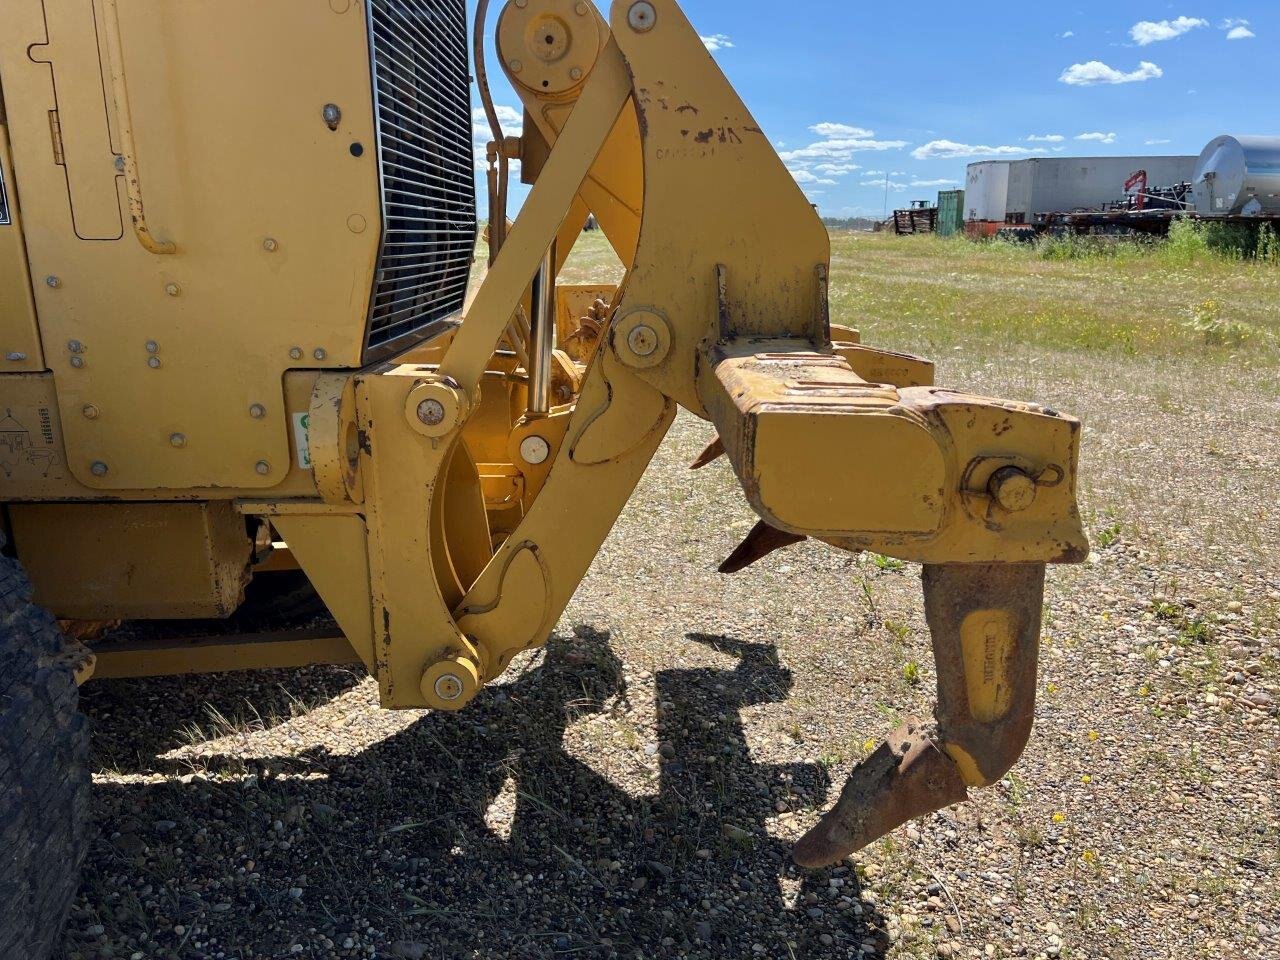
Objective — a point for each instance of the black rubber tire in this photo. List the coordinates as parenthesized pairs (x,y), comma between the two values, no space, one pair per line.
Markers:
(44,775)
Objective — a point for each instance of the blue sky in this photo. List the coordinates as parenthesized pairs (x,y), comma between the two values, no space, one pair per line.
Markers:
(853,94)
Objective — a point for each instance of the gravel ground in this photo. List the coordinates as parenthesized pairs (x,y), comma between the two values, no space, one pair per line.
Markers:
(633,789)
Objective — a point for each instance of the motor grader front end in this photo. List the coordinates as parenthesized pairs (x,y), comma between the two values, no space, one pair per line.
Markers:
(240,353)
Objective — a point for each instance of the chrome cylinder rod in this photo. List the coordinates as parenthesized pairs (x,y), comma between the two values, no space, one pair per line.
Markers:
(542,338)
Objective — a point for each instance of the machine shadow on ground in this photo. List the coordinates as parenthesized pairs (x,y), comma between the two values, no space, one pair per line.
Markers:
(474,834)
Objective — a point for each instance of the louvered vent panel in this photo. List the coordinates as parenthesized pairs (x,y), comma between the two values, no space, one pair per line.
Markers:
(422,102)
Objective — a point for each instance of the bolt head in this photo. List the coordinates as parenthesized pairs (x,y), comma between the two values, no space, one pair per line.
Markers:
(515,66)
(431,412)
(262,467)
(271,245)
(153,362)
(75,346)
(173,290)
(580,9)
(642,16)
(319,353)
(98,468)
(119,163)
(152,346)
(257,411)
(77,362)
(90,411)
(575,74)
(643,340)
(295,353)
(178,439)
(1013,489)
(535,450)
(332,114)
(448,686)
(52,281)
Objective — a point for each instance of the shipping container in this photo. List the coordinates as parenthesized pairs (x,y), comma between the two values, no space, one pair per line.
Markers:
(950,212)
(986,191)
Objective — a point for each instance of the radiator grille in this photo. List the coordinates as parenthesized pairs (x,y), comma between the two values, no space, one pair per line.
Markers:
(422,106)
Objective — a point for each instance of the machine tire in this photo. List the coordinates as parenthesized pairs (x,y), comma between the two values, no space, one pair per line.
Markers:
(44,774)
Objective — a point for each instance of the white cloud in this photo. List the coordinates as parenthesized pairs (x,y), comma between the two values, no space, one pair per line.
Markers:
(933,183)
(836,169)
(950,150)
(1148,31)
(717,41)
(512,121)
(1067,36)
(1047,138)
(1095,72)
(1155,143)
(1098,137)
(833,131)
(873,173)
(839,149)
(893,185)
(1240,32)
(804,176)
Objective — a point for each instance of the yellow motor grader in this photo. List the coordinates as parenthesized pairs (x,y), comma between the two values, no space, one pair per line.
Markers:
(239,354)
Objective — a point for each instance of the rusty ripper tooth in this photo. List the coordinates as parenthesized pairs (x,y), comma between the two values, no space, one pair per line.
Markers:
(759,543)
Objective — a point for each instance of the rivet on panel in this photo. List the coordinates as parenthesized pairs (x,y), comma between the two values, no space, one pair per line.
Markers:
(75,346)
(580,9)
(153,362)
(90,411)
(152,346)
(295,353)
(516,66)
(77,362)
(173,290)
(332,114)
(320,353)
(262,467)
(575,74)
(52,281)
(270,245)
(178,439)
(98,468)
(257,411)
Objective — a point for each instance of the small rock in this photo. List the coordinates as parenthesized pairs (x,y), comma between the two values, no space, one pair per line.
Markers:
(164,826)
(826,939)
(407,950)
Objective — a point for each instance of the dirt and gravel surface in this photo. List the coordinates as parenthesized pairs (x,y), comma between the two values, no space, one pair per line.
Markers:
(633,790)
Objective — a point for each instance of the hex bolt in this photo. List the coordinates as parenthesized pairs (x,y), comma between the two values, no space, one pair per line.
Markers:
(98,468)
(177,439)
(15,356)
(580,9)
(448,686)
(575,73)
(643,340)
(320,353)
(75,346)
(295,353)
(516,66)
(332,114)
(52,281)
(431,412)
(262,467)
(173,290)
(270,245)
(257,411)
(90,411)
(119,163)
(77,362)
(642,16)
(535,450)
(152,346)
(153,363)
(1012,488)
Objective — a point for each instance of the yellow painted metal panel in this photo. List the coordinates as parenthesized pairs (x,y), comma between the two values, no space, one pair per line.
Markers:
(100,561)
(274,217)
(332,553)
(19,338)
(221,654)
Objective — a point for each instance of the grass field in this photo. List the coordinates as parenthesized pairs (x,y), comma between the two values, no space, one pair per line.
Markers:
(633,790)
